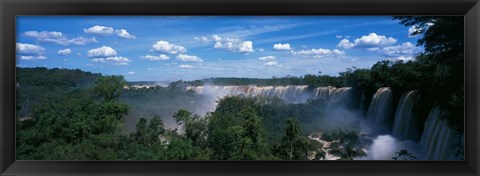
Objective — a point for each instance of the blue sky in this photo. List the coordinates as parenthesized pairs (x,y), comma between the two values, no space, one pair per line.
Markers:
(169,48)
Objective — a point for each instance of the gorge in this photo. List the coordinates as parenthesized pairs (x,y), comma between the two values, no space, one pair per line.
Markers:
(389,120)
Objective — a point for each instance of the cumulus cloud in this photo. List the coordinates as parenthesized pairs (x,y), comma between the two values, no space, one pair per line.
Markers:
(233,44)
(318,53)
(280,46)
(264,58)
(155,58)
(166,47)
(27,51)
(216,38)
(371,40)
(116,60)
(189,58)
(31,57)
(185,66)
(201,39)
(106,31)
(406,50)
(104,51)
(131,73)
(272,63)
(245,47)
(106,54)
(65,52)
(99,30)
(58,38)
(345,43)
(123,33)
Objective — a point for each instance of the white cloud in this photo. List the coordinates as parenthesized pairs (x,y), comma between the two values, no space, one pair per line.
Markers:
(104,51)
(373,49)
(29,49)
(26,51)
(31,57)
(106,54)
(345,43)
(245,47)
(233,44)
(318,53)
(165,47)
(189,58)
(98,60)
(100,30)
(273,63)
(123,33)
(406,49)
(280,46)
(267,58)
(131,73)
(201,39)
(371,40)
(113,60)
(156,58)
(261,49)
(118,59)
(58,38)
(185,66)
(106,31)
(65,52)
(216,38)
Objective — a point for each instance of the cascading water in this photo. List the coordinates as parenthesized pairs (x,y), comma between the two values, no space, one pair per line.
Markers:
(339,96)
(295,93)
(437,138)
(323,92)
(405,124)
(381,108)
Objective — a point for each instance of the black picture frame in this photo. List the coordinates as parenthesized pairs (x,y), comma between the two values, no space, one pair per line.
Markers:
(11,8)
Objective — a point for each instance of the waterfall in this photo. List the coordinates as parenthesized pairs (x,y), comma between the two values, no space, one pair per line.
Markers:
(323,92)
(381,108)
(405,124)
(339,96)
(293,93)
(296,93)
(437,137)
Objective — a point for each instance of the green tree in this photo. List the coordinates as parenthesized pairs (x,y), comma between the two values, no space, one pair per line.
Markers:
(292,134)
(109,87)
